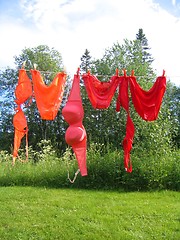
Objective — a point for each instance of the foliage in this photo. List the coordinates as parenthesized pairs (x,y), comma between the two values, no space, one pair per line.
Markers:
(8,80)
(86,62)
(46,59)
(5,156)
(140,36)
(171,106)
(151,170)
(127,56)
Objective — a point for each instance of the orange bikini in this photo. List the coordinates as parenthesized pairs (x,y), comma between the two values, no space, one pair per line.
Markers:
(48,98)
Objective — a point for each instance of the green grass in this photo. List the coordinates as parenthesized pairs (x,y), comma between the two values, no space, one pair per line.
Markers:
(43,213)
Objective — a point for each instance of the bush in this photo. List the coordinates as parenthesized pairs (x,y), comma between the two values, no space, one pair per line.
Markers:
(5,156)
(155,171)
(151,170)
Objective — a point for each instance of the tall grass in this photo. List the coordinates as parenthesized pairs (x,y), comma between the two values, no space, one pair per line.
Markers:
(105,170)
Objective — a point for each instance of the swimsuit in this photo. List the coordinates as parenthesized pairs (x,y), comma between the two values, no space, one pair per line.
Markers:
(48,98)
(100,93)
(21,129)
(147,103)
(75,135)
(23,90)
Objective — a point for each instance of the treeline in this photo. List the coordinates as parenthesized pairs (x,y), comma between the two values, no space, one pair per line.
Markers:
(105,127)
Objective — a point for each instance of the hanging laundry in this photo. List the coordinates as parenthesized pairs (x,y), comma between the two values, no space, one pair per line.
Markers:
(123,101)
(23,90)
(21,129)
(123,97)
(100,93)
(48,98)
(127,143)
(147,103)
(75,135)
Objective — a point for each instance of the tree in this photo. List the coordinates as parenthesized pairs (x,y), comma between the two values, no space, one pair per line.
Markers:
(171,104)
(8,79)
(47,59)
(85,62)
(140,36)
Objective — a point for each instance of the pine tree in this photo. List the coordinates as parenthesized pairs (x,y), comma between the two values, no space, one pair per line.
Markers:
(141,37)
(85,62)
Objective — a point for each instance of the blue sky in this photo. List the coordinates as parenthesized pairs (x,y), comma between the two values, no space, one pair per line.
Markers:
(71,26)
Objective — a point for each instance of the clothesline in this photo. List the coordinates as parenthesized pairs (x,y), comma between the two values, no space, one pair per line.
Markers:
(81,74)
(101,75)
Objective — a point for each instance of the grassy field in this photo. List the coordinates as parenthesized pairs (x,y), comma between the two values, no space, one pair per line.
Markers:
(46,213)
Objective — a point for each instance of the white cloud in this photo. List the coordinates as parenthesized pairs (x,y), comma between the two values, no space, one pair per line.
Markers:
(173,2)
(74,25)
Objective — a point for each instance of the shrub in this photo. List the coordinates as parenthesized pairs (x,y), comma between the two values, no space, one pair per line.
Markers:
(151,170)
(5,156)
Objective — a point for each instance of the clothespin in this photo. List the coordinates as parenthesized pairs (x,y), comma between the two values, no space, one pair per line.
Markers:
(163,73)
(23,65)
(64,69)
(78,70)
(117,72)
(132,73)
(124,71)
(35,66)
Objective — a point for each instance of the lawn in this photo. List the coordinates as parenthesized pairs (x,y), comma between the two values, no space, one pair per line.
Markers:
(46,213)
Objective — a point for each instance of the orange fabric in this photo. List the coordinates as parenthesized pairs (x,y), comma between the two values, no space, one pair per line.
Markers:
(75,135)
(48,98)
(20,125)
(23,90)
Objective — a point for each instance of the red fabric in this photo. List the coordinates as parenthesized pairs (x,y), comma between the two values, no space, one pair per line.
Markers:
(23,90)
(100,93)
(20,125)
(123,100)
(147,103)
(48,98)
(127,143)
(75,135)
